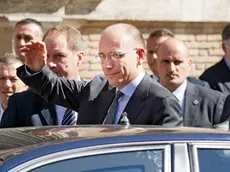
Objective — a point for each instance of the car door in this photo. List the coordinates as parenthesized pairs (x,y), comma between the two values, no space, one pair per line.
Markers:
(123,157)
(212,156)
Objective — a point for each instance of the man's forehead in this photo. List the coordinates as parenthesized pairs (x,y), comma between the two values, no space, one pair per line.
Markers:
(172,56)
(27,29)
(116,42)
(56,41)
(157,39)
(9,68)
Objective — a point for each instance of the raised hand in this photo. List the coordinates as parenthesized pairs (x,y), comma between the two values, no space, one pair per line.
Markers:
(35,55)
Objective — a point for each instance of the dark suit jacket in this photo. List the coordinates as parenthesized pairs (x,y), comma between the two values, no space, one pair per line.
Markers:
(218,77)
(28,109)
(149,104)
(203,107)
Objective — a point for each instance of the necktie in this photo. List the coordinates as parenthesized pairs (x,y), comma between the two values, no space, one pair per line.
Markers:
(110,117)
(70,117)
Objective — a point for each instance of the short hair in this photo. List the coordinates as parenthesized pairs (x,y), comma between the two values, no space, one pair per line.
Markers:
(30,21)
(226,32)
(73,36)
(161,32)
(10,58)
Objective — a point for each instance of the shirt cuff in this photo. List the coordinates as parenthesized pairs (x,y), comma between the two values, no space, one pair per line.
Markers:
(30,72)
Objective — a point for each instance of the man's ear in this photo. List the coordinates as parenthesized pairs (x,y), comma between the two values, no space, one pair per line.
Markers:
(190,64)
(80,56)
(224,48)
(25,87)
(141,55)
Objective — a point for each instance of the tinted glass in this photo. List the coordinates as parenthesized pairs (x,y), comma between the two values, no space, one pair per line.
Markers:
(139,161)
(214,160)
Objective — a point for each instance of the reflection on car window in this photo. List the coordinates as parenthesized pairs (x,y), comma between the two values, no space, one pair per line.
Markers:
(137,168)
(135,161)
(214,160)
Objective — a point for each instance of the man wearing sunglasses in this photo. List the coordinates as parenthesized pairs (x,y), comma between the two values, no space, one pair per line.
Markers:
(124,88)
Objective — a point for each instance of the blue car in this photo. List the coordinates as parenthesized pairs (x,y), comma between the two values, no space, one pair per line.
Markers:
(114,149)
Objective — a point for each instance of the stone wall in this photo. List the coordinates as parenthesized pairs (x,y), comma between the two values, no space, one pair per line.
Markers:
(198,23)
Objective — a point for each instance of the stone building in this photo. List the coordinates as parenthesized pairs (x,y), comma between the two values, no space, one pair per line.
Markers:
(197,22)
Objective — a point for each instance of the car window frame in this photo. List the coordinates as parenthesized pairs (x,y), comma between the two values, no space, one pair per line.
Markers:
(96,150)
(193,147)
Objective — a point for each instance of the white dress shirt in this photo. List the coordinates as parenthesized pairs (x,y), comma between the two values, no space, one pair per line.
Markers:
(1,111)
(179,93)
(128,91)
(60,110)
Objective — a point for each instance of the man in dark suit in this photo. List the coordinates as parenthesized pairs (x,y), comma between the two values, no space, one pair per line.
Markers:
(124,87)
(201,107)
(218,75)
(9,82)
(64,58)
(155,38)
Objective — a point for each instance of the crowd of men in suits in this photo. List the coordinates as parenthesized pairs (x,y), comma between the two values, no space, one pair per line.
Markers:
(57,95)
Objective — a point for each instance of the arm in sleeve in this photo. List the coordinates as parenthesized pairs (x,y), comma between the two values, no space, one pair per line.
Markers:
(54,89)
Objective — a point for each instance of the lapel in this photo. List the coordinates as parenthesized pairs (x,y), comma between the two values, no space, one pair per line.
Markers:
(47,112)
(136,102)
(191,104)
(101,95)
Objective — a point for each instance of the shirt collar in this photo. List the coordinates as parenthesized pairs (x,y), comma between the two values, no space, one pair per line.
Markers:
(226,62)
(1,111)
(129,89)
(179,92)
(155,77)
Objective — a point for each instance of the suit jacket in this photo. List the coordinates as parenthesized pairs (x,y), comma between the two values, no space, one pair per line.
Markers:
(149,104)
(198,82)
(218,77)
(28,109)
(203,107)
(226,110)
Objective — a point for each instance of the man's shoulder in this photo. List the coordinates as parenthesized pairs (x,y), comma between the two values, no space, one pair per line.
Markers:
(98,81)
(204,93)
(25,95)
(209,72)
(198,81)
(157,89)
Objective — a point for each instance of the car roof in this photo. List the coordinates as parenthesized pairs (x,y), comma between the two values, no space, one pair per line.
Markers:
(16,141)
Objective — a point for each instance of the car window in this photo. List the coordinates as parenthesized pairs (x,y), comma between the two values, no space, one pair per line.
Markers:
(135,161)
(214,160)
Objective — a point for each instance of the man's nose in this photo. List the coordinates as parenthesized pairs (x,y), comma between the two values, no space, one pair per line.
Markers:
(50,63)
(8,83)
(22,42)
(172,67)
(154,56)
(107,63)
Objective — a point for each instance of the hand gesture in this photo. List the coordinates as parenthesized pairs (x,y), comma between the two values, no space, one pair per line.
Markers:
(35,55)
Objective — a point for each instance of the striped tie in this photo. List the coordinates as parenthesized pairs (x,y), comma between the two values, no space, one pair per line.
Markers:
(110,117)
(70,117)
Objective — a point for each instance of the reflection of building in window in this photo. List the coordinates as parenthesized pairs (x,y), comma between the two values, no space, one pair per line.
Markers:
(154,156)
